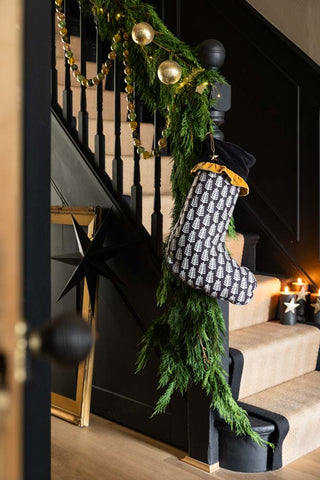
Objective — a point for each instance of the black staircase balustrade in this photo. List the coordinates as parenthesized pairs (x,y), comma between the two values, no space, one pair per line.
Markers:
(83,119)
(67,92)
(136,189)
(117,163)
(54,73)
(157,217)
(99,152)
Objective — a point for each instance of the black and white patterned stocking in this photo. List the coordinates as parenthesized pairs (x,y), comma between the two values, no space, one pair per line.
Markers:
(196,250)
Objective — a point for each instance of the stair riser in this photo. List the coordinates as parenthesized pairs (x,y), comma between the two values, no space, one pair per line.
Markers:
(60,66)
(303,437)
(91,96)
(126,138)
(75,45)
(147,174)
(262,307)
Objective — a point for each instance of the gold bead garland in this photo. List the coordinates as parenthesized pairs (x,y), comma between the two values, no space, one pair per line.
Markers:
(85,82)
(105,69)
(162,143)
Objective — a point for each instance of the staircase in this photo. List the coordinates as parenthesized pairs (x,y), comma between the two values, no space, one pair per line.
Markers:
(273,370)
(276,379)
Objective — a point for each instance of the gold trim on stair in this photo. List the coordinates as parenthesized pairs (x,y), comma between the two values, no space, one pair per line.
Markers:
(202,466)
(234,178)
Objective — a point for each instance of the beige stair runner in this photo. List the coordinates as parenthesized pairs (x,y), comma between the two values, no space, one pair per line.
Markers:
(299,402)
(274,353)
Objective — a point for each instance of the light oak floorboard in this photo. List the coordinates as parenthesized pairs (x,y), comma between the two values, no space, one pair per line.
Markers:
(109,451)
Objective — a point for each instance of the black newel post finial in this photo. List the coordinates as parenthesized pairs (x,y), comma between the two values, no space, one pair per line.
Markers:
(212,56)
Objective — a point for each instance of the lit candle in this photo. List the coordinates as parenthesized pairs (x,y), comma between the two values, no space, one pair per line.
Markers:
(299,284)
(315,307)
(288,306)
(303,298)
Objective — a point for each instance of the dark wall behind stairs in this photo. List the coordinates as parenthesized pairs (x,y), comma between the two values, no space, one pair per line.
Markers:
(275,116)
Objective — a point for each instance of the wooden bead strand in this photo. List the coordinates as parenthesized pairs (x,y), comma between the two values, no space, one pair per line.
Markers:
(105,70)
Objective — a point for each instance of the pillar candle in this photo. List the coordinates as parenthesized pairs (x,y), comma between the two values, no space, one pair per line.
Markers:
(299,284)
(315,307)
(288,306)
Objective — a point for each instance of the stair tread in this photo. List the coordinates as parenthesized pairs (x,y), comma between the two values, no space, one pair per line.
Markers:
(298,400)
(270,354)
(290,397)
(261,308)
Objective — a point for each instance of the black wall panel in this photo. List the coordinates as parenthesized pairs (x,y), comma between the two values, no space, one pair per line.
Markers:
(275,116)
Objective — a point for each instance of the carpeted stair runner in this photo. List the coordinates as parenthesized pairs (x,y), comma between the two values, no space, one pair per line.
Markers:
(278,378)
(278,361)
(274,353)
(298,400)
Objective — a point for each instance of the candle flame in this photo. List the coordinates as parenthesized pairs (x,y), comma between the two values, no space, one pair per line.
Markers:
(319,291)
(299,280)
(286,290)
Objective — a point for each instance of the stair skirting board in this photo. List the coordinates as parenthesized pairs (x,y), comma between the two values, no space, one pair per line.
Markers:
(202,466)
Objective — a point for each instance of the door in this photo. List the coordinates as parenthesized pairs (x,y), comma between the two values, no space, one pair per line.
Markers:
(24,237)
(11,358)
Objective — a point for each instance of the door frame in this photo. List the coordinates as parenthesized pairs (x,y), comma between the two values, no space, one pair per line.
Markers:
(36,229)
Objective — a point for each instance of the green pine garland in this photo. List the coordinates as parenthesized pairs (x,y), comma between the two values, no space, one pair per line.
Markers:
(190,333)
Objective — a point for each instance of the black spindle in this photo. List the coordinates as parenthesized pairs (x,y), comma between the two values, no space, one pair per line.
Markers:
(54,73)
(117,163)
(136,189)
(99,153)
(156,217)
(83,114)
(67,92)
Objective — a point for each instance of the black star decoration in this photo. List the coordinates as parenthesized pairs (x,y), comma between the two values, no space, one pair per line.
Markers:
(90,260)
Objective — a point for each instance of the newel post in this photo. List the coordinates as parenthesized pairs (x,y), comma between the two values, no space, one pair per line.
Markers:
(212,56)
(203,438)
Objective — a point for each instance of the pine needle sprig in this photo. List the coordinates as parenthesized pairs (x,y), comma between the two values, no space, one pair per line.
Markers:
(189,335)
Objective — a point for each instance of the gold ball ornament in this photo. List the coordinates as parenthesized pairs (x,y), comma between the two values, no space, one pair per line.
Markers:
(142,33)
(169,72)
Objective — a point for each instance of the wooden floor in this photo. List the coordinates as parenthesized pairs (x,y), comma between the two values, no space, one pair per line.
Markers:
(107,451)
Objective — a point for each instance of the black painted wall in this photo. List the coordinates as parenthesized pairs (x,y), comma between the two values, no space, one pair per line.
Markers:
(275,116)
(123,313)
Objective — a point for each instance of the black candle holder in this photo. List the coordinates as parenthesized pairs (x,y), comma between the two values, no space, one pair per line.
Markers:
(288,307)
(315,308)
(303,299)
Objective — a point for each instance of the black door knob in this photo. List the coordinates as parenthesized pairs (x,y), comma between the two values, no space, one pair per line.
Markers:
(67,339)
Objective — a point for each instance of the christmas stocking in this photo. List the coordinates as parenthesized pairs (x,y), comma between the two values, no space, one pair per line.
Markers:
(196,250)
